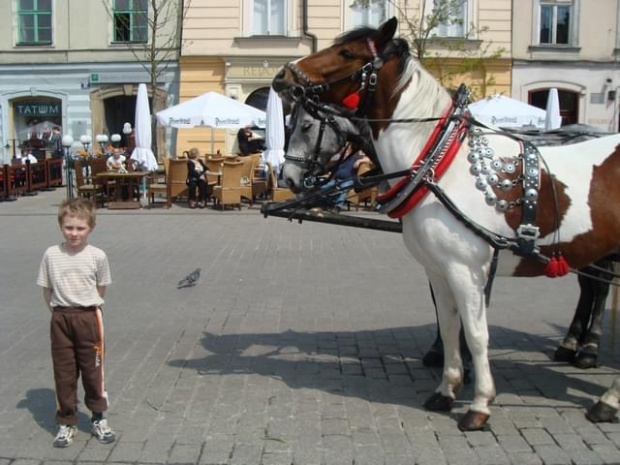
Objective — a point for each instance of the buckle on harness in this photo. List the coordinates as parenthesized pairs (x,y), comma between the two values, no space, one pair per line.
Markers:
(527,235)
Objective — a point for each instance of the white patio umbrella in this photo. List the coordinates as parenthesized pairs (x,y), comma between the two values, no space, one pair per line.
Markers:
(142,127)
(499,110)
(274,133)
(211,110)
(553,119)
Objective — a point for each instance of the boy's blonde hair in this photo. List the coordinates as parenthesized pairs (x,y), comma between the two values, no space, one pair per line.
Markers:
(78,208)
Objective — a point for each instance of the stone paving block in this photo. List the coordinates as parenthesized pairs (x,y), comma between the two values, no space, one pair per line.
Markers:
(126,451)
(514,443)
(491,454)
(551,454)
(457,451)
(536,436)
(608,453)
(185,453)
(214,458)
(480,438)
(246,454)
(337,450)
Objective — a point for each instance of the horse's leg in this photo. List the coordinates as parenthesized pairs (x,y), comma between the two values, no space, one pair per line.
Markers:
(434,355)
(588,354)
(567,349)
(450,325)
(473,315)
(606,408)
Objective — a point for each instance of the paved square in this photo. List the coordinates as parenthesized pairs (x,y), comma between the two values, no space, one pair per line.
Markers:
(300,344)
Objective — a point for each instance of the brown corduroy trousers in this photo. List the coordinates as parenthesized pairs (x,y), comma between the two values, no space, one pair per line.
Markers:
(78,349)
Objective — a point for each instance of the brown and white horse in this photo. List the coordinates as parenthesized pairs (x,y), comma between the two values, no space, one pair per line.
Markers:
(493,190)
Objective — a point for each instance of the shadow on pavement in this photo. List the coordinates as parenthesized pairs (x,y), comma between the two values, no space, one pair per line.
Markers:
(385,365)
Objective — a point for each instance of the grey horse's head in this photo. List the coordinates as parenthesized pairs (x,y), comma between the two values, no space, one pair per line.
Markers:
(311,147)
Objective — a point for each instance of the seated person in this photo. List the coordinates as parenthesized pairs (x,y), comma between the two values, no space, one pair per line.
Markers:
(116,161)
(248,144)
(347,163)
(24,157)
(196,178)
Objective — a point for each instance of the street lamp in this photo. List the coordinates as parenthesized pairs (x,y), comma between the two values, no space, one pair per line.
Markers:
(102,140)
(67,142)
(127,130)
(115,139)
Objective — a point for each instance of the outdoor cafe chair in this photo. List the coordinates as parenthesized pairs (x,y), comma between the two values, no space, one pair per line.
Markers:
(277,194)
(235,183)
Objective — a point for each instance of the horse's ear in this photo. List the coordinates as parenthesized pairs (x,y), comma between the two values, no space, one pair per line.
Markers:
(386,32)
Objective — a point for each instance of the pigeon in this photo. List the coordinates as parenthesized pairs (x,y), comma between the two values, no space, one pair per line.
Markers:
(190,280)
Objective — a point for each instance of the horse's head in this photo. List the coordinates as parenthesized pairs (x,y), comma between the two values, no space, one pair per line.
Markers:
(313,142)
(342,73)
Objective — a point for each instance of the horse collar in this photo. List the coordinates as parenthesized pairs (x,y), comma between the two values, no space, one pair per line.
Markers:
(435,158)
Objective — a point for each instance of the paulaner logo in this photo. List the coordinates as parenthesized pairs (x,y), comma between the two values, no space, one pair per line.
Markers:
(172,121)
(221,122)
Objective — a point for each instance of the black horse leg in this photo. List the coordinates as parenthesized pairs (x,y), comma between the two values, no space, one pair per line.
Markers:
(434,357)
(588,353)
(567,350)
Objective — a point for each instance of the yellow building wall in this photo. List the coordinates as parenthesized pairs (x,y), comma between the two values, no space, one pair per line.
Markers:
(198,76)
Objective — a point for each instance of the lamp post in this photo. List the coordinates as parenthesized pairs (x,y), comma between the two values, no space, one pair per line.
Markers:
(67,142)
(127,130)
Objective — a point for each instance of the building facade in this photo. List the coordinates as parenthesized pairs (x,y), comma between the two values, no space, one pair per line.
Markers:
(77,65)
(237,47)
(572,45)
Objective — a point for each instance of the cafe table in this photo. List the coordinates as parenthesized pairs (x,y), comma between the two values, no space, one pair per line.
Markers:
(128,182)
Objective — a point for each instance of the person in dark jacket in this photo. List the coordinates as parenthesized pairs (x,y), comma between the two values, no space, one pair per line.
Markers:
(196,179)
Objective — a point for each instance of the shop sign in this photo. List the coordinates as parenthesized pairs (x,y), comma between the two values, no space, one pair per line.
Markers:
(38,109)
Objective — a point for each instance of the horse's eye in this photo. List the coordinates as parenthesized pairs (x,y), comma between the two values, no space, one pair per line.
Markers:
(347,54)
(305,127)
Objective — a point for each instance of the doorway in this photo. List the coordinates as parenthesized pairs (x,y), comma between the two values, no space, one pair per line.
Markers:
(569,103)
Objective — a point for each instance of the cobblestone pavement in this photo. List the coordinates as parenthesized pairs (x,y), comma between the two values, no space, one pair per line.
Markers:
(301,344)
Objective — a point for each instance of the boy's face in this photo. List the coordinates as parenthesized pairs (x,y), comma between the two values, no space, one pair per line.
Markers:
(75,231)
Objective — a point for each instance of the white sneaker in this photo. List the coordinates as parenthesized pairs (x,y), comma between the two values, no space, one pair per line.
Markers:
(64,437)
(103,432)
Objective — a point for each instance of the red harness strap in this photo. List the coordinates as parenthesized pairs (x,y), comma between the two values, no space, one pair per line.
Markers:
(444,161)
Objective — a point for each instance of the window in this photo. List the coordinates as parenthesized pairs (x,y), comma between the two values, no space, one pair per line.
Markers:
(130,19)
(555,20)
(374,14)
(35,22)
(452,18)
(269,17)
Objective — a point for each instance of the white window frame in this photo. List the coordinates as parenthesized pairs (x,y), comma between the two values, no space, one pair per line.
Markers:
(469,18)
(248,20)
(573,30)
(348,7)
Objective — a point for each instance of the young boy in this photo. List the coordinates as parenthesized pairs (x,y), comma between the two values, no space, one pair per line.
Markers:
(74,276)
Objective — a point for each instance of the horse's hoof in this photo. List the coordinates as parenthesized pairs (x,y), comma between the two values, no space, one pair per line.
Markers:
(473,421)
(438,403)
(433,359)
(562,354)
(601,413)
(585,361)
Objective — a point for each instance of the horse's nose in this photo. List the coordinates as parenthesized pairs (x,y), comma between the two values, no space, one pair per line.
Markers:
(280,81)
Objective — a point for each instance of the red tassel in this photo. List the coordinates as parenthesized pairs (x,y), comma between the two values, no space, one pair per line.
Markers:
(351,101)
(563,267)
(551,270)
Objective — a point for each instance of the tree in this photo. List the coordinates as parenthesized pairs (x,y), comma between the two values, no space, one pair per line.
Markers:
(152,31)
(447,58)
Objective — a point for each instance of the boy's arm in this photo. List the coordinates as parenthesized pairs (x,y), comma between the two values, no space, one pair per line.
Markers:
(47,295)
(101,290)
